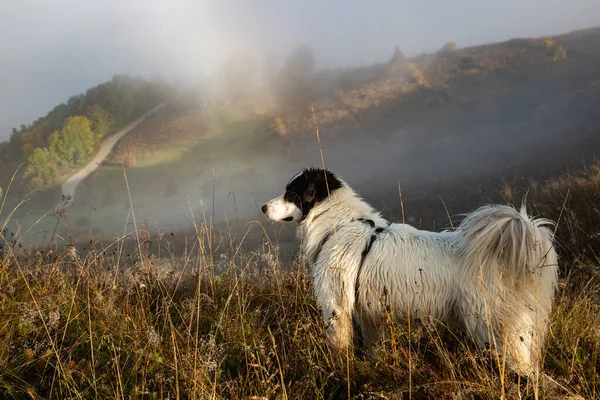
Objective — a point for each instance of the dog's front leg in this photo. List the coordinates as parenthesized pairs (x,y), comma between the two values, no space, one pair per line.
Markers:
(335,292)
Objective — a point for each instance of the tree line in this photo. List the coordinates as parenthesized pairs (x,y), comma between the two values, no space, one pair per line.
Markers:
(67,136)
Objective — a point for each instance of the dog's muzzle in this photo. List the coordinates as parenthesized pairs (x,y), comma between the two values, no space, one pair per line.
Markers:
(282,211)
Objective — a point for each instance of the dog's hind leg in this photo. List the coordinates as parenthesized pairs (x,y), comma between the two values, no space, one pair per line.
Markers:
(524,341)
(512,335)
(479,319)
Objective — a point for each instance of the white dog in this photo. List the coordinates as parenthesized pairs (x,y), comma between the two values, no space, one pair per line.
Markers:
(495,275)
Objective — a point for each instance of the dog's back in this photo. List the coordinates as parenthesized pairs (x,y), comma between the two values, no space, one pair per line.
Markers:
(404,267)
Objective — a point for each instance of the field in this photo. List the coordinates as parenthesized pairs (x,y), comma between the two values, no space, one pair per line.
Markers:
(163,280)
(135,320)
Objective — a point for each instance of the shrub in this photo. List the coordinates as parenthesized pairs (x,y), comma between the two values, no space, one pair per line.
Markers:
(449,47)
(416,74)
(279,126)
(559,53)
(397,60)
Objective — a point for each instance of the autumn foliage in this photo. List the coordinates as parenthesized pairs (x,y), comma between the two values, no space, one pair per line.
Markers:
(62,141)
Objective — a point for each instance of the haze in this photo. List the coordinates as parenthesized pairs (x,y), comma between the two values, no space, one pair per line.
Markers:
(52,50)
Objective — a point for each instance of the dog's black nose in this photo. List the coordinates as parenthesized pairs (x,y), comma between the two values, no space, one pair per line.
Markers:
(264,208)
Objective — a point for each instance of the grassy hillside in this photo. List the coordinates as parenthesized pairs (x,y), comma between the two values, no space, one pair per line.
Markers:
(109,322)
(205,167)
(172,129)
(479,77)
(46,152)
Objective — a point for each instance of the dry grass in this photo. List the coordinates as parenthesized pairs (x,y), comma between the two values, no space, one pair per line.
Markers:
(173,125)
(236,324)
(344,108)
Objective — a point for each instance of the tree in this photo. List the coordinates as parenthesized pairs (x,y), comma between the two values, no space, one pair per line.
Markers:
(294,84)
(416,74)
(237,75)
(32,137)
(449,47)
(14,150)
(398,57)
(75,141)
(397,60)
(270,66)
(101,121)
(41,171)
(117,97)
(559,53)
(300,64)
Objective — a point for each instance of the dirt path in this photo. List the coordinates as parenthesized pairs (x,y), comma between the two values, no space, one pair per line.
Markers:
(70,185)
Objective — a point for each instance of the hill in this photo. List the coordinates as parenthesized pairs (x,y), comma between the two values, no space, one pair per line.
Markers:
(511,101)
(58,144)
(477,118)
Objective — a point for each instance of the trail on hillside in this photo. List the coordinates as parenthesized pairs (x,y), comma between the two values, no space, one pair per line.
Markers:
(70,185)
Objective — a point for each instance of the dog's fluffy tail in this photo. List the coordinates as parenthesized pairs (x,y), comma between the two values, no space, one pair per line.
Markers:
(502,238)
(512,261)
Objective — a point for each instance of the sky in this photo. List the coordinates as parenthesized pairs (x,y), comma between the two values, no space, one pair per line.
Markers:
(53,49)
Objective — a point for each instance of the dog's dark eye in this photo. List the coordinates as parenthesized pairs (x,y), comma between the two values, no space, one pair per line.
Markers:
(288,219)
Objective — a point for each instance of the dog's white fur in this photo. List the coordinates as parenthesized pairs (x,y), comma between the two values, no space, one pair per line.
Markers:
(496,274)
(279,209)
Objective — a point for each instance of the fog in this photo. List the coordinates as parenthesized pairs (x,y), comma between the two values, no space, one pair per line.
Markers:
(52,50)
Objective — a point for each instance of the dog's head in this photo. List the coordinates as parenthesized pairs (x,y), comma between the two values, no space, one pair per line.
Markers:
(305,190)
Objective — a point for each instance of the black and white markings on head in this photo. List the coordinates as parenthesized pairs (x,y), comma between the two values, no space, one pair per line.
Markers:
(309,187)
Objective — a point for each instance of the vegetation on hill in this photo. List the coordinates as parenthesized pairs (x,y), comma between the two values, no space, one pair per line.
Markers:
(65,138)
(342,98)
(498,84)
(175,124)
